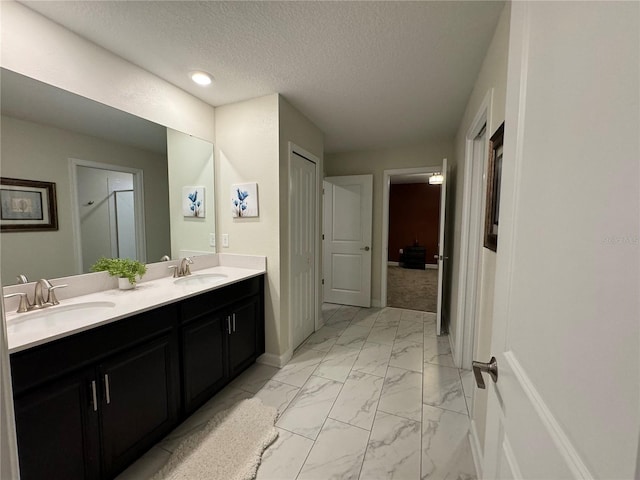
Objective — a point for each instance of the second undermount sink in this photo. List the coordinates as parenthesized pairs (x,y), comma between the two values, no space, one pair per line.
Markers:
(52,316)
(200,279)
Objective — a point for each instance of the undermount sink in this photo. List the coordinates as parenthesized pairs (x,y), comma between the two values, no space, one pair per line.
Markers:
(52,316)
(200,279)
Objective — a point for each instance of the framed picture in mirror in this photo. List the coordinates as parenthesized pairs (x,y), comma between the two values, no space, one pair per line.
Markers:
(494,176)
(27,205)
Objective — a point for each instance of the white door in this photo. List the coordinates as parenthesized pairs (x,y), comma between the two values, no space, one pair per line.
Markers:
(441,256)
(302,208)
(566,329)
(348,207)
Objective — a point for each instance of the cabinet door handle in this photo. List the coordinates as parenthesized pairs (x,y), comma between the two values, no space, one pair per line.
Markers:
(95,395)
(229,325)
(234,322)
(107,390)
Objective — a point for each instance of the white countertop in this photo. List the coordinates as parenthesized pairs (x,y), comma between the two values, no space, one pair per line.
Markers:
(26,330)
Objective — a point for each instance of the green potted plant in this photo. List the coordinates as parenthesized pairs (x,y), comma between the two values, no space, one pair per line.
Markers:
(128,271)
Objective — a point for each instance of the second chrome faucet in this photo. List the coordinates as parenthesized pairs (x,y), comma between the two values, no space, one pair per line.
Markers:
(182,269)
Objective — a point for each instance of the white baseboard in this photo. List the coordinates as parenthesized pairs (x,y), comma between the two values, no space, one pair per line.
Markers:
(476,450)
(452,345)
(393,264)
(273,360)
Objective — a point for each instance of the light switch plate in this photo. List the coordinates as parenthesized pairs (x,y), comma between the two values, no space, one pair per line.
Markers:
(225,240)
(212,239)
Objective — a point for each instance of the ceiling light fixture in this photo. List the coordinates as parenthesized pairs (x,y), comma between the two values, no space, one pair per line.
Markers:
(436,179)
(201,78)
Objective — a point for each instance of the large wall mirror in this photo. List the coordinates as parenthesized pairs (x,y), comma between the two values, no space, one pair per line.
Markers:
(115,195)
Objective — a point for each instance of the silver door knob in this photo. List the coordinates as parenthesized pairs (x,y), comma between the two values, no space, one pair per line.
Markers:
(491,368)
(366,249)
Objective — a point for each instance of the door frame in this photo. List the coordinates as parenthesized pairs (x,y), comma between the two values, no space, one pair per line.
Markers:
(293,148)
(467,299)
(384,238)
(138,194)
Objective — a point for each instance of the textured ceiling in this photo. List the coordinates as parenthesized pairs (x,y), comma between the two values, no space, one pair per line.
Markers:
(368,74)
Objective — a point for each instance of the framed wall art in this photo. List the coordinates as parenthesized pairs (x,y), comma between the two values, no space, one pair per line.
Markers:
(27,205)
(244,200)
(494,177)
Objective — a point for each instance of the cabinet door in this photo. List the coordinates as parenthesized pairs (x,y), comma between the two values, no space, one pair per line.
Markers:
(204,355)
(243,338)
(139,401)
(57,429)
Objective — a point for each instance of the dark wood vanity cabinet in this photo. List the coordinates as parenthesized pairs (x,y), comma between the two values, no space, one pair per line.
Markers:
(222,334)
(90,404)
(58,430)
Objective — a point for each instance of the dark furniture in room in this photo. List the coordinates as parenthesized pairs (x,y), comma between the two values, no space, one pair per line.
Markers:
(413,257)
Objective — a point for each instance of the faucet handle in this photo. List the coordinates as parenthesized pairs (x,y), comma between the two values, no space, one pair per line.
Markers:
(24,301)
(51,296)
(187,270)
(175,270)
(22,278)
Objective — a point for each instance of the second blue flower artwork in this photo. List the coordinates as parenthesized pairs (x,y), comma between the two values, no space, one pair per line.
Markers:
(193,202)
(244,200)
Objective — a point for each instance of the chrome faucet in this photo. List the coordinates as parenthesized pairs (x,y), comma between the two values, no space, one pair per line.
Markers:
(184,267)
(182,270)
(39,300)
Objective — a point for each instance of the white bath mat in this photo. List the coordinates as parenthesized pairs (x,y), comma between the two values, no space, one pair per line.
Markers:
(229,447)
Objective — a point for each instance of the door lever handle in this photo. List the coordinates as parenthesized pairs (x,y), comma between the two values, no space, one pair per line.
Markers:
(491,368)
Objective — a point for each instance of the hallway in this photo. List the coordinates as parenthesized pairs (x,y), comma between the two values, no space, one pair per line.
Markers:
(373,394)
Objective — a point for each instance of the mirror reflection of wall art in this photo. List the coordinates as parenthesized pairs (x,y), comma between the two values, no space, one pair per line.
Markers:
(193,202)
(244,200)
(27,205)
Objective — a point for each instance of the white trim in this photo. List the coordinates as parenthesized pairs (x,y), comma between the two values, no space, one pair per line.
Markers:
(293,148)
(384,240)
(273,360)
(393,264)
(376,303)
(9,466)
(464,340)
(138,185)
(476,449)
(564,446)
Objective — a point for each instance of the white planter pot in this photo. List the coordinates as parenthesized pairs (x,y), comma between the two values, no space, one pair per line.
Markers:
(125,284)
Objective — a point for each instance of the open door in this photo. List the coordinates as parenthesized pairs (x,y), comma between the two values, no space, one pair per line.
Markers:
(566,335)
(441,256)
(348,203)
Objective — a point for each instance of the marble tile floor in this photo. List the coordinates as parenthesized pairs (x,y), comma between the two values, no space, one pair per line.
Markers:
(374,394)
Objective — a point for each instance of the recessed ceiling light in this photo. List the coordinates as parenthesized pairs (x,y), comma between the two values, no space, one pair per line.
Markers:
(201,78)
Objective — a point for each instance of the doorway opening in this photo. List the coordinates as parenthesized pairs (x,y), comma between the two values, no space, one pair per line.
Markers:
(472,225)
(412,262)
(108,218)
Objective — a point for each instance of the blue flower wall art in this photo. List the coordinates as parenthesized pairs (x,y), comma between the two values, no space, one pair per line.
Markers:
(193,202)
(244,200)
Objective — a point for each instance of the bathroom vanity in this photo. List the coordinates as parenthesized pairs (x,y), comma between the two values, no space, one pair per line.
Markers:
(89,403)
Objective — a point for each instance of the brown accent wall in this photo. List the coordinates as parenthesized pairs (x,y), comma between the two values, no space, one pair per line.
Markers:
(414,214)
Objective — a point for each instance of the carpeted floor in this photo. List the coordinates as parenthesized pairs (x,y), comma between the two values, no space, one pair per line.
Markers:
(412,289)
